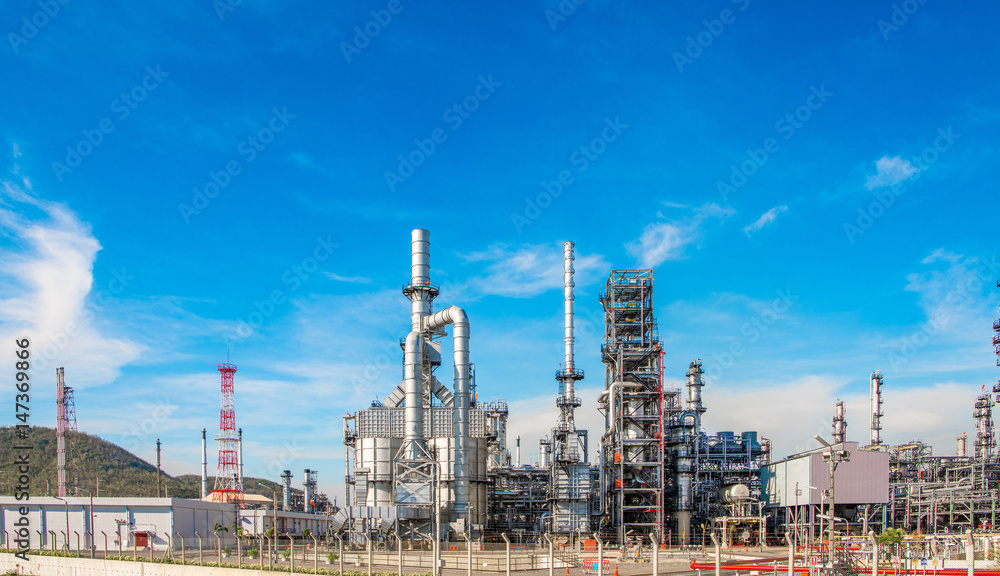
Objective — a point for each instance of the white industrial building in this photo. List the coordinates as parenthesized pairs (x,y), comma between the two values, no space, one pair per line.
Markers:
(141,522)
(799,484)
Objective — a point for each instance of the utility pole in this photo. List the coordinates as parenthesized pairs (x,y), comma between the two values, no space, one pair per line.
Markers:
(834,457)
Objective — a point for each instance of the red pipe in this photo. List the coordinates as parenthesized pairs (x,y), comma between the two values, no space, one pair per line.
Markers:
(784,568)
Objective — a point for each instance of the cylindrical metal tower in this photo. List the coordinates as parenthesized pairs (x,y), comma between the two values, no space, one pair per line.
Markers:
(840,424)
(875,405)
(204,463)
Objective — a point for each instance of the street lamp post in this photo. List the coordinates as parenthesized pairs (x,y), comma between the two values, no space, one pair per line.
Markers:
(91,494)
(66,504)
(832,456)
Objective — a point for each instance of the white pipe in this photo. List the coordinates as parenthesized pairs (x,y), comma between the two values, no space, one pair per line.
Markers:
(460,335)
(204,464)
(569,339)
(420,258)
(413,417)
(517,457)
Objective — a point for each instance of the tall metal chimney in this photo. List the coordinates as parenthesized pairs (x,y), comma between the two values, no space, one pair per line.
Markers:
(962,448)
(517,452)
(61,431)
(286,490)
(694,386)
(204,464)
(875,406)
(840,424)
(241,456)
(564,437)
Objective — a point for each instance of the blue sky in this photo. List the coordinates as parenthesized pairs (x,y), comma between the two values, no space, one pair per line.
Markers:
(813,185)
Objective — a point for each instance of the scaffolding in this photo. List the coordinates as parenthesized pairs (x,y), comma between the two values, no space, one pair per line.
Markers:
(633,457)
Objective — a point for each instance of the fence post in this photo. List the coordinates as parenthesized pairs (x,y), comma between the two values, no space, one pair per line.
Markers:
(507,540)
(201,555)
(551,555)
(656,555)
(315,553)
(399,553)
(340,552)
(183,556)
(791,554)
(718,555)
(291,554)
(368,544)
(93,546)
(468,547)
(600,554)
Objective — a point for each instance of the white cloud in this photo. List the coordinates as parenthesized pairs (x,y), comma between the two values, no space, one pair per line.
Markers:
(766,218)
(348,279)
(890,170)
(45,282)
(524,271)
(662,241)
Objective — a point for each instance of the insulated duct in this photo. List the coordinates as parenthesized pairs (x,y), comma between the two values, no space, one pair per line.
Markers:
(414,444)
(460,335)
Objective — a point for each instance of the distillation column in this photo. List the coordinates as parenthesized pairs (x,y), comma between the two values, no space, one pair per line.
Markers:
(875,400)
(840,424)
(569,477)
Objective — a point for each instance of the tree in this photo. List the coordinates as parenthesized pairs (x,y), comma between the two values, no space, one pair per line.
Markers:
(891,537)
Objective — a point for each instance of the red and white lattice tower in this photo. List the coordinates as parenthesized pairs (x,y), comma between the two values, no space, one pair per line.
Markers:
(228,485)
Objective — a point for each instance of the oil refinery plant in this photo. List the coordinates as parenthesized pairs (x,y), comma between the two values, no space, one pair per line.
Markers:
(432,461)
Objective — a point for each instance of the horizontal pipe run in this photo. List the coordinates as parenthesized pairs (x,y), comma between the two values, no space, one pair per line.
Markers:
(783,567)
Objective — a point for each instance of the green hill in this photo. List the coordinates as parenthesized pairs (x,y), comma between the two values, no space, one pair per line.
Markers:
(90,458)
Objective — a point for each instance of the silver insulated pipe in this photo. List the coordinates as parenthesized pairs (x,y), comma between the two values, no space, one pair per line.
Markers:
(421,293)
(415,446)
(460,335)
(420,280)
(204,464)
(569,339)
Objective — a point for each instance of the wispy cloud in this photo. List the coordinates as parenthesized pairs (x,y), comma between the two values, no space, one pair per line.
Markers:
(348,279)
(766,218)
(45,281)
(662,241)
(890,170)
(525,271)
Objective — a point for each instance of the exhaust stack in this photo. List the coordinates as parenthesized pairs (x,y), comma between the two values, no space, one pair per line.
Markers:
(204,464)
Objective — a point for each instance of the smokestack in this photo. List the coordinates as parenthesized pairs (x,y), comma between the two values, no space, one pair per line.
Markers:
(204,464)
(694,386)
(569,338)
(963,442)
(840,424)
(421,293)
(61,431)
(420,282)
(241,456)
(517,452)
(875,402)
(157,467)
(286,490)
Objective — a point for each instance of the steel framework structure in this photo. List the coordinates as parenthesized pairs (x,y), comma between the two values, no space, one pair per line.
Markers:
(228,485)
(633,458)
